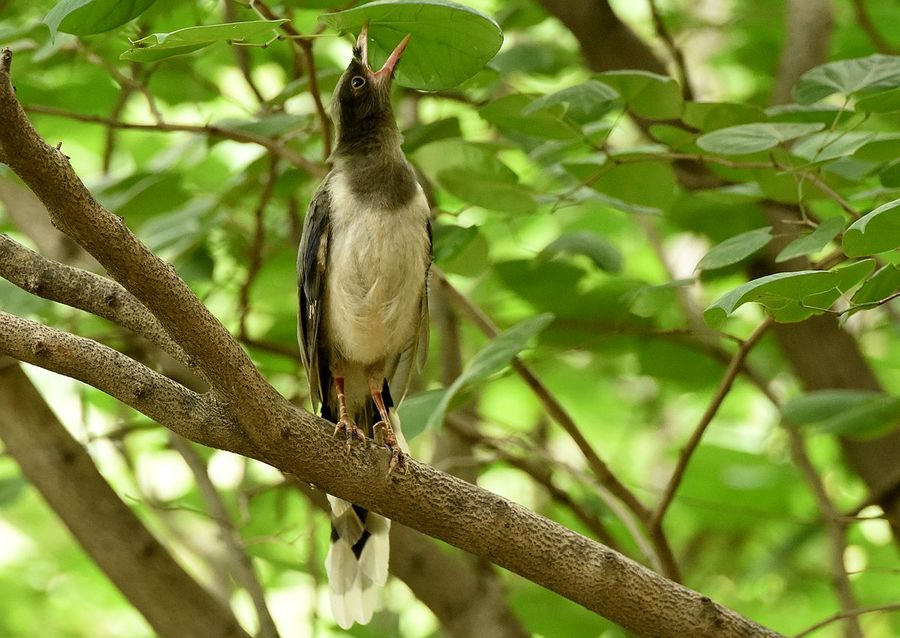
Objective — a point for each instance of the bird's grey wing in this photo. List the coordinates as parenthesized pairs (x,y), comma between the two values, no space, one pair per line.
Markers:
(400,369)
(311,260)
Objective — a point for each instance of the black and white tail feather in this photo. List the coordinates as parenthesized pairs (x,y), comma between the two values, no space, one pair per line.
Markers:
(358,556)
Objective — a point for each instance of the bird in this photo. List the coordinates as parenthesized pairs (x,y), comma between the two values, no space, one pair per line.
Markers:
(363,264)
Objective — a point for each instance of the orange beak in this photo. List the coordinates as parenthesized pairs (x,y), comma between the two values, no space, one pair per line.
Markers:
(387,70)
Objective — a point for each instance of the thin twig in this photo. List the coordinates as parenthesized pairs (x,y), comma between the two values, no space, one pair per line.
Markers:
(734,368)
(836,533)
(241,563)
(305,46)
(559,414)
(242,57)
(538,471)
(844,614)
(257,244)
(213,130)
(866,24)
(677,54)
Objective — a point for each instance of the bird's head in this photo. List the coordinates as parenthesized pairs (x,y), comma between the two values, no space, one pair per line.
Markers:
(361,105)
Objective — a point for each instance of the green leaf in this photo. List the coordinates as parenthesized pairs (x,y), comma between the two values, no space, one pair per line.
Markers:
(848,77)
(415,411)
(641,187)
(11,488)
(708,116)
(752,138)
(602,252)
(875,232)
(158,46)
(843,412)
(883,147)
(881,102)
(508,113)
(648,95)
(450,42)
(85,17)
(423,134)
(487,191)
(584,102)
(884,283)
(790,296)
(814,241)
(490,359)
(736,248)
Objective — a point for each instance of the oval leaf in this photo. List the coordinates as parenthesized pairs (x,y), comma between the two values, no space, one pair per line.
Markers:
(847,77)
(875,232)
(790,296)
(879,286)
(84,17)
(843,412)
(752,138)
(450,42)
(603,253)
(648,95)
(814,241)
(584,102)
(490,359)
(164,45)
(736,248)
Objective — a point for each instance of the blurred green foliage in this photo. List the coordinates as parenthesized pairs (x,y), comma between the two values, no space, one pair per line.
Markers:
(548,199)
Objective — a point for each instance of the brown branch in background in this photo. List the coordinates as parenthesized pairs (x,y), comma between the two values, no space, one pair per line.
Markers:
(674,50)
(809,25)
(212,130)
(110,144)
(241,563)
(242,56)
(124,81)
(305,46)
(845,614)
(539,471)
(866,24)
(684,458)
(257,244)
(665,557)
(174,604)
(836,530)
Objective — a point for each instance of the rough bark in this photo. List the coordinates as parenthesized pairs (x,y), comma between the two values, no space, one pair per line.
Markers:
(301,444)
(174,604)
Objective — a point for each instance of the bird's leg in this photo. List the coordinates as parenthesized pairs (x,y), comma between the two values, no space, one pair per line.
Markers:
(398,458)
(344,421)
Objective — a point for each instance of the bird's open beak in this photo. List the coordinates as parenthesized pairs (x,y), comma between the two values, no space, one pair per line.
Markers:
(387,70)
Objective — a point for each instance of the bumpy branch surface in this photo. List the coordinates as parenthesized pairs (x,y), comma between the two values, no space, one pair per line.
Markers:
(299,443)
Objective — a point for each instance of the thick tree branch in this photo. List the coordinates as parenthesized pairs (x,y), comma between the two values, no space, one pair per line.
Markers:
(174,604)
(301,444)
(83,290)
(194,416)
(806,45)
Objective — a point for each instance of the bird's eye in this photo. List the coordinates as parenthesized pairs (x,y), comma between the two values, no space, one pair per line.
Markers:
(358,82)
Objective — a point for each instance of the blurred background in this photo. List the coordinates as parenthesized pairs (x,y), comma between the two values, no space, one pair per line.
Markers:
(524,224)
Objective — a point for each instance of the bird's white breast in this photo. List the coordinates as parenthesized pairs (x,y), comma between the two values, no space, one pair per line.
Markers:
(376,273)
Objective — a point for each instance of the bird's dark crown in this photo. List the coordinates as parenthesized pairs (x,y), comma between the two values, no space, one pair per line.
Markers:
(362,109)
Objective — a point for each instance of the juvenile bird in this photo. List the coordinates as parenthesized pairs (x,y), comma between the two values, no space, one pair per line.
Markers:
(363,262)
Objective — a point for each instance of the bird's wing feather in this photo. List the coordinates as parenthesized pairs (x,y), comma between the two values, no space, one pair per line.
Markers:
(399,368)
(311,260)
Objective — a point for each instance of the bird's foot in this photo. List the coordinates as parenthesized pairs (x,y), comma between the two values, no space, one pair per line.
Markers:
(398,457)
(350,428)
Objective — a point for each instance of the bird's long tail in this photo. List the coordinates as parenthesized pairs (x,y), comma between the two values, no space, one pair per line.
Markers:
(357,561)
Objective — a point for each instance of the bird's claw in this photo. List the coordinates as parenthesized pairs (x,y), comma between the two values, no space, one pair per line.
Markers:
(348,426)
(398,458)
